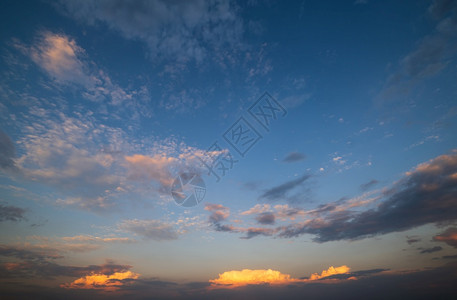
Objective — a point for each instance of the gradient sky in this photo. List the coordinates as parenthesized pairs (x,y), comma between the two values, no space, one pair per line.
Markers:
(352,183)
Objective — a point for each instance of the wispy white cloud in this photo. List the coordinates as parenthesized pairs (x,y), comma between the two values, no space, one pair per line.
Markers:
(180,31)
(430,138)
(68,64)
(93,164)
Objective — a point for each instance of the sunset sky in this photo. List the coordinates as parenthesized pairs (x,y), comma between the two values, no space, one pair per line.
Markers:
(324,133)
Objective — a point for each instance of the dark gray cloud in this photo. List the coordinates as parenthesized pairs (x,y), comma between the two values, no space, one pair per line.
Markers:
(35,263)
(294,157)
(11,213)
(281,192)
(218,214)
(7,152)
(27,254)
(224,228)
(413,240)
(253,232)
(266,218)
(367,185)
(449,236)
(51,270)
(426,195)
(430,250)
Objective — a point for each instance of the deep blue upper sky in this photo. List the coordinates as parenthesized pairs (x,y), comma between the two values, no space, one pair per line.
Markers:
(104,103)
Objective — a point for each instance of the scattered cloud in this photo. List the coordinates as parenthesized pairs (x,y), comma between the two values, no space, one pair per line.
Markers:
(90,238)
(296,100)
(281,192)
(449,236)
(28,253)
(266,218)
(339,160)
(150,229)
(365,129)
(7,153)
(168,158)
(294,157)
(256,231)
(67,63)
(430,57)
(429,138)
(59,56)
(175,31)
(41,248)
(39,261)
(93,164)
(111,282)
(425,195)
(412,240)
(284,212)
(367,185)
(431,250)
(157,168)
(218,212)
(63,153)
(11,213)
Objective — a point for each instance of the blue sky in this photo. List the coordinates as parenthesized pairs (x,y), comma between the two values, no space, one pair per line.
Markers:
(104,103)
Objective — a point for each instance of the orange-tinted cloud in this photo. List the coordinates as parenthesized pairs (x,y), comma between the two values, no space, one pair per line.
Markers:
(104,282)
(60,56)
(233,279)
(330,271)
(247,276)
(449,236)
(155,167)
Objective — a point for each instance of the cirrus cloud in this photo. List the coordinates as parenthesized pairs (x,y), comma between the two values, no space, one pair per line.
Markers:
(182,31)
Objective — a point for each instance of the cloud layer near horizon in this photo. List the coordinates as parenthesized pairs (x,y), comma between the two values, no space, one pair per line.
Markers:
(424,195)
(233,279)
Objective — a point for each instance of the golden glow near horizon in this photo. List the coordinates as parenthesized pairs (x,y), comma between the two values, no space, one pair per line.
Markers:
(228,279)
(234,278)
(330,271)
(101,281)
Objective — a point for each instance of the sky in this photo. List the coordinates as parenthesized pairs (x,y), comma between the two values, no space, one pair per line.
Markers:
(228,149)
